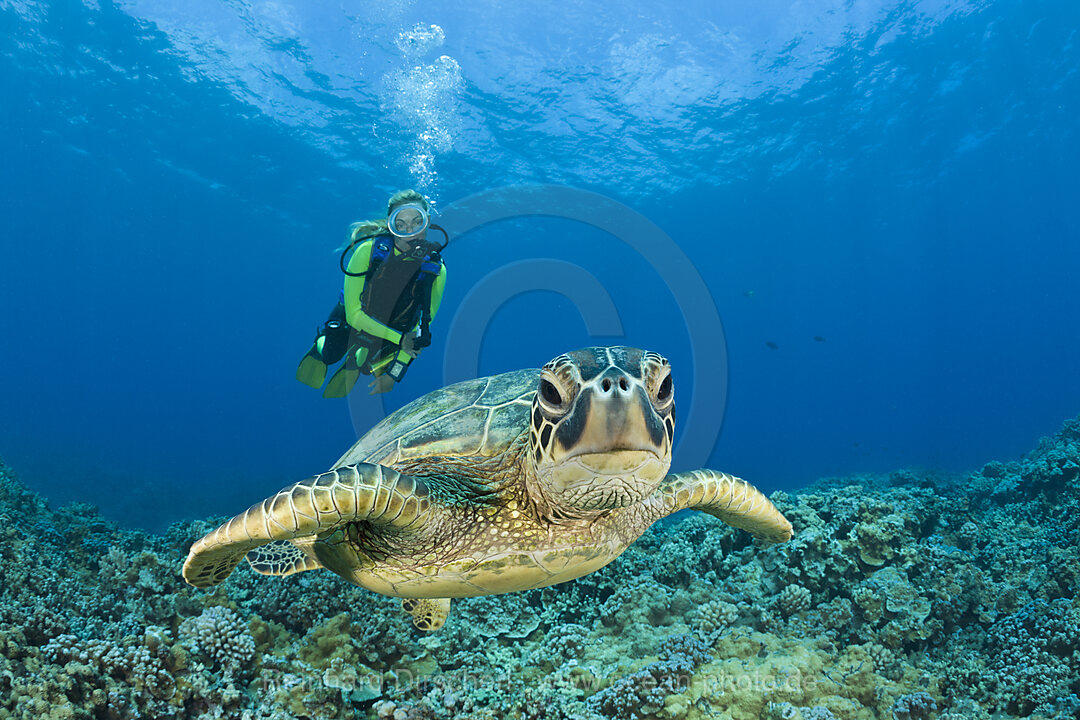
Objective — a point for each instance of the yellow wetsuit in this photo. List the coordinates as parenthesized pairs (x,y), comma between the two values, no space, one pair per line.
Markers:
(358,319)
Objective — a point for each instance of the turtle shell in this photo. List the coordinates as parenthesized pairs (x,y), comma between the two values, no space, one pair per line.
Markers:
(479,417)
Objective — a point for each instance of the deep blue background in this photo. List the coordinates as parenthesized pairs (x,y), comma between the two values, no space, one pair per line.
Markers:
(898,178)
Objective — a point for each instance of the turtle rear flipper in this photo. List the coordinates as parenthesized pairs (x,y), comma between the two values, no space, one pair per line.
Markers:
(428,614)
(281,558)
(732,499)
(312,508)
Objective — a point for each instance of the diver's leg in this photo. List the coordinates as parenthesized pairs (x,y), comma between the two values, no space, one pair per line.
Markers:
(341,384)
(330,344)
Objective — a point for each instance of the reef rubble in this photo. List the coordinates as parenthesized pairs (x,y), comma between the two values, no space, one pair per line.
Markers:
(903,596)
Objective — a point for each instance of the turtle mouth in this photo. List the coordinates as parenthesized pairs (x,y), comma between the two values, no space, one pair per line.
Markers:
(614,462)
(606,480)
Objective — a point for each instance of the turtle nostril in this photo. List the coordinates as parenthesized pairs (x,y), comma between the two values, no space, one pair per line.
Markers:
(605,385)
(623,384)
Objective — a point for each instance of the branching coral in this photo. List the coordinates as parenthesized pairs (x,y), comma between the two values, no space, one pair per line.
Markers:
(714,617)
(793,599)
(220,635)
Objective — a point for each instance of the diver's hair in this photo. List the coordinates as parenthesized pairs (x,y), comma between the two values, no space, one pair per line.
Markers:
(368,228)
(403,197)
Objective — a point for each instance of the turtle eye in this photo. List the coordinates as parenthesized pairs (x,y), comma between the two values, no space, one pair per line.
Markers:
(550,394)
(663,393)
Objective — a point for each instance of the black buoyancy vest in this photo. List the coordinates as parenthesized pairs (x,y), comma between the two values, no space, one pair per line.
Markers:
(393,294)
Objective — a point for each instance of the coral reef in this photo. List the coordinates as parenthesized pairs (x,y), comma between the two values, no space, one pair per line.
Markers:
(642,694)
(901,597)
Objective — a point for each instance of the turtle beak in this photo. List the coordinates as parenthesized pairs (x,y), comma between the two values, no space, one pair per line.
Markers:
(620,418)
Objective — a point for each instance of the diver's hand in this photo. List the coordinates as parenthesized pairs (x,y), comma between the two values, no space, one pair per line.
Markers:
(381,384)
(421,339)
(408,343)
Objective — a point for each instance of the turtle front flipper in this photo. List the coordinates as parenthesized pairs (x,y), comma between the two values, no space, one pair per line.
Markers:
(281,558)
(314,507)
(732,499)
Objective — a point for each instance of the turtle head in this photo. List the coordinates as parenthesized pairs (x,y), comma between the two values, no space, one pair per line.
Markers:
(602,424)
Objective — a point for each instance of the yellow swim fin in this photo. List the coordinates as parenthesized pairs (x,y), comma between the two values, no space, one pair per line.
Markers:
(341,383)
(312,369)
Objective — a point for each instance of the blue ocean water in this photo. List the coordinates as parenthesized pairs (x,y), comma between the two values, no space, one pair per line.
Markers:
(880,198)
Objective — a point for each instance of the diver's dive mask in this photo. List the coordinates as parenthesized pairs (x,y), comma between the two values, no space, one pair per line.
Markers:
(408,221)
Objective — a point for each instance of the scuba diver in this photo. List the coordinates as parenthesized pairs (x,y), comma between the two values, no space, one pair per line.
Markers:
(394,282)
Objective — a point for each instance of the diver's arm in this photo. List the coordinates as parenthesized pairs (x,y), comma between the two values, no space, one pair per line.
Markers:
(408,350)
(421,334)
(354,291)
(437,291)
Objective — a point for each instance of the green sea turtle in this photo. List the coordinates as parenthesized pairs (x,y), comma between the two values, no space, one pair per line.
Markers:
(495,485)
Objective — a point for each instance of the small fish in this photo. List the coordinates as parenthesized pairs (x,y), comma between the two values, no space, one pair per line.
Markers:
(771,345)
(818,338)
(749,293)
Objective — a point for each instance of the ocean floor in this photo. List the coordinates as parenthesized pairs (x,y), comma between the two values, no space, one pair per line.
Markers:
(901,597)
